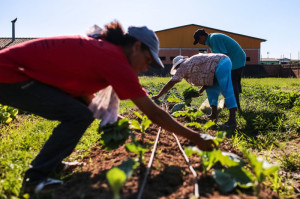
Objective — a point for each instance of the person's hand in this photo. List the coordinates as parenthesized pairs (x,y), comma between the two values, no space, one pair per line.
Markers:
(205,144)
(120,117)
(202,89)
(155,97)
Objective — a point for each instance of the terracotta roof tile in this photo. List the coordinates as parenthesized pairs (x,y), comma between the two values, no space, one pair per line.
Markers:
(6,41)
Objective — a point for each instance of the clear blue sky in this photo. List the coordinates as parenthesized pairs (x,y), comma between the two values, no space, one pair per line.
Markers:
(277,21)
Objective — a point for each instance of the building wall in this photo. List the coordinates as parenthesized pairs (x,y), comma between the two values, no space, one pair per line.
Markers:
(179,41)
(167,54)
(252,56)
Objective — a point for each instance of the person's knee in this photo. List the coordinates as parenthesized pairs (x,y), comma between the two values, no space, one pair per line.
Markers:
(81,119)
(86,117)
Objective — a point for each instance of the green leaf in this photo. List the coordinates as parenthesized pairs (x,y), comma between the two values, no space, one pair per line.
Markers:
(208,124)
(138,114)
(242,176)
(268,169)
(224,180)
(115,134)
(158,102)
(193,124)
(220,136)
(230,159)
(174,100)
(179,114)
(116,179)
(190,93)
(135,148)
(128,167)
(191,150)
(135,124)
(145,123)
(177,107)
(209,159)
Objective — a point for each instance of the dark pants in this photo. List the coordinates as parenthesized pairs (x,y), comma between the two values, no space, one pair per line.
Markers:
(52,104)
(236,76)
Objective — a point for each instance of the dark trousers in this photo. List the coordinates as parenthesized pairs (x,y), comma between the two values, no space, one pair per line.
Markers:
(52,104)
(236,76)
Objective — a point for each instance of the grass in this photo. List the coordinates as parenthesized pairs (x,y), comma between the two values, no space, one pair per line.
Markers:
(20,142)
(265,127)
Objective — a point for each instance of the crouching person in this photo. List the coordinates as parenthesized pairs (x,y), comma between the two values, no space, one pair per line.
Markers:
(57,77)
(213,73)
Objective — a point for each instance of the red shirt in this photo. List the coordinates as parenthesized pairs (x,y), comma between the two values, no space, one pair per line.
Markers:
(78,65)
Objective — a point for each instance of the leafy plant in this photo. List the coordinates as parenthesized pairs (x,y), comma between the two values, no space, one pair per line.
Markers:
(115,134)
(231,175)
(261,169)
(117,176)
(188,94)
(143,125)
(191,114)
(209,159)
(137,149)
(230,178)
(7,113)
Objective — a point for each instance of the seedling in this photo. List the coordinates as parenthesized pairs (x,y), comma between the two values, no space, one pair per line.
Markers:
(188,94)
(115,134)
(137,149)
(261,169)
(117,176)
(192,114)
(143,125)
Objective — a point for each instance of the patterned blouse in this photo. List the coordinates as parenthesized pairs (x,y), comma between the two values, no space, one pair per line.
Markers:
(199,70)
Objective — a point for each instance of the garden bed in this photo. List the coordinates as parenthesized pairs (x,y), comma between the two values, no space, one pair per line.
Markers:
(170,176)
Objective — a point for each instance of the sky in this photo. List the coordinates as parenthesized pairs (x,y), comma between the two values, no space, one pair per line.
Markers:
(277,21)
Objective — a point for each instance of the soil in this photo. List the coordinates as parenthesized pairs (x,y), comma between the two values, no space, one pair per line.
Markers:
(169,176)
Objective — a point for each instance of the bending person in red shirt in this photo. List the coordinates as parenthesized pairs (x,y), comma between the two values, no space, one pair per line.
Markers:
(56,78)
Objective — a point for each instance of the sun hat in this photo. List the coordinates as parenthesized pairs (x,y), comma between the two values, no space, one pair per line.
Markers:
(149,38)
(197,34)
(176,61)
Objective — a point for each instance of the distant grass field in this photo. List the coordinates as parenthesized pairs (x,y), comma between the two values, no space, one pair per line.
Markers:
(268,125)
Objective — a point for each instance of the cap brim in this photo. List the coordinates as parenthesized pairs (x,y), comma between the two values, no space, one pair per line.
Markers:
(157,62)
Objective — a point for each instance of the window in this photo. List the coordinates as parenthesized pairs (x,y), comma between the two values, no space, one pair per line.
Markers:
(171,58)
(248,59)
(202,50)
(162,58)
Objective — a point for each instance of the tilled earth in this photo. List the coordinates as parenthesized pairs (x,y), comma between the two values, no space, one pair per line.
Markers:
(169,176)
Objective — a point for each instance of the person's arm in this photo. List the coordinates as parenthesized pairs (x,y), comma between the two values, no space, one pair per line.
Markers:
(163,119)
(87,99)
(202,89)
(165,89)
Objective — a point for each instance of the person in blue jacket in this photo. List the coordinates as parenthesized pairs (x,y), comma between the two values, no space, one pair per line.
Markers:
(220,43)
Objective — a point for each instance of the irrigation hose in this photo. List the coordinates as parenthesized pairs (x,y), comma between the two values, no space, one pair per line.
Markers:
(151,159)
(190,167)
(196,187)
(149,165)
